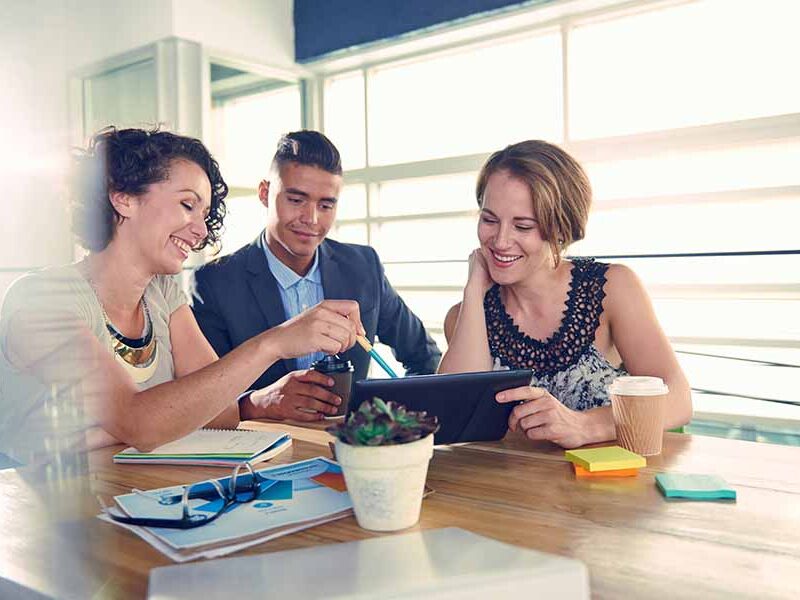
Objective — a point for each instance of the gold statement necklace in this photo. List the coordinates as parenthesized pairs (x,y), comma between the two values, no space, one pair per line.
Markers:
(138,356)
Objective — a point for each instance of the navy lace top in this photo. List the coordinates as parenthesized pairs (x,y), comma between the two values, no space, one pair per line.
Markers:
(568,365)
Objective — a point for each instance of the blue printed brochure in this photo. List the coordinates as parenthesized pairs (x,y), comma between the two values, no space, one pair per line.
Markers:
(293,497)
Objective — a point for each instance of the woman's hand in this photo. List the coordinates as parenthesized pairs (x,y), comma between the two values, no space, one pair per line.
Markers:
(540,416)
(330,327)
(479,277)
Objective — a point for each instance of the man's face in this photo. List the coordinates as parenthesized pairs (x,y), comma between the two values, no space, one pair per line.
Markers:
(301,207)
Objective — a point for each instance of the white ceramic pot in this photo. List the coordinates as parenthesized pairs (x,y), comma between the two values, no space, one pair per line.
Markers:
(386,482)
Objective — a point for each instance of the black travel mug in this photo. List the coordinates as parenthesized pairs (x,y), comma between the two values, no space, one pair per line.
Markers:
(341,371)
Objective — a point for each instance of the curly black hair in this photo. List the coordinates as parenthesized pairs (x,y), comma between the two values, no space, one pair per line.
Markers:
(130,160)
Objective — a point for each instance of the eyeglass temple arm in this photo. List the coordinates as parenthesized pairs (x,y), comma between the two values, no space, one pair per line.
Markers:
(206,491)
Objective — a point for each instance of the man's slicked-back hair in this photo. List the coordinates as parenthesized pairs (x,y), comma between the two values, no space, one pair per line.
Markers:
(309,148)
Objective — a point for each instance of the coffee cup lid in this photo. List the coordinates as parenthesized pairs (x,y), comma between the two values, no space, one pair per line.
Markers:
(332,363)
(638,386)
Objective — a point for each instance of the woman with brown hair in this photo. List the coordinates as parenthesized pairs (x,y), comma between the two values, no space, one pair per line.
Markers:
(576,323)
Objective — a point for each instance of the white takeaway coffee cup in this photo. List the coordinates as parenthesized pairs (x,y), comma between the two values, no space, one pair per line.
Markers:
(638,404)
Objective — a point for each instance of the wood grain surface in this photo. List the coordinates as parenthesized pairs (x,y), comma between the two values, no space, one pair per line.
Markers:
(635,543)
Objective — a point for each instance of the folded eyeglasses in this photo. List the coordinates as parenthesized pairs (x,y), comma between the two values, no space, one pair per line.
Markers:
(241,489)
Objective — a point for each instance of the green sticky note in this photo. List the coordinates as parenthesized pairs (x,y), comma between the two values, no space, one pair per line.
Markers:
(694,486)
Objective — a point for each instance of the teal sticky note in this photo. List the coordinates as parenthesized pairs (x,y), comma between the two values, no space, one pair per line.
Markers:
(694,486)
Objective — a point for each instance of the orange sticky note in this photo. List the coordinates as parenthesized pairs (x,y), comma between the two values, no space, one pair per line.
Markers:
(581,472)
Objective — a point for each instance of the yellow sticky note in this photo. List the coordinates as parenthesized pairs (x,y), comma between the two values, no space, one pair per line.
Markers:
(609,458)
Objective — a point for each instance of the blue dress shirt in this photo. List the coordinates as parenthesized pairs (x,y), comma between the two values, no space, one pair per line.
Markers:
(297,293)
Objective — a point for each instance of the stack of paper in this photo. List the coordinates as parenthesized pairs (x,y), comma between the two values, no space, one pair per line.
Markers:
(212,447)
(293,497)
(611,461)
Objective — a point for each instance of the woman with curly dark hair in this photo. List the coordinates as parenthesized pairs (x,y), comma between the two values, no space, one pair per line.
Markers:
(113,332)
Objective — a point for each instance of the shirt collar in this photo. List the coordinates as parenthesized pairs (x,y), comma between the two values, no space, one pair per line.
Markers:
(285,277)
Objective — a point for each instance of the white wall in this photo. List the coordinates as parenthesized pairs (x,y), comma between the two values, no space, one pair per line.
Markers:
(261,30)
(103,28)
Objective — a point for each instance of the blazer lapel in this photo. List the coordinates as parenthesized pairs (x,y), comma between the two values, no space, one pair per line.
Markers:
(335,283)
(264,288)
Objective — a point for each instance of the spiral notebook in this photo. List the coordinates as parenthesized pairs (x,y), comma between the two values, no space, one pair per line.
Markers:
(212,447)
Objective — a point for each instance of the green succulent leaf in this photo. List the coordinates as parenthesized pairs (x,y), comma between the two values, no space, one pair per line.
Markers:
(382,407)
(379,423)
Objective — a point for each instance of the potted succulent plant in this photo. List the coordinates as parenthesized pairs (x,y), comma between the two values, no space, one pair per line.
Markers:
(384,451)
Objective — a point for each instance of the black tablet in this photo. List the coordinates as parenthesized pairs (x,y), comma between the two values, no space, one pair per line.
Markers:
(463,402)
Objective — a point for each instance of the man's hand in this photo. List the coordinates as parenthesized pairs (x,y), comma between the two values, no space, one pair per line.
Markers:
(299,395)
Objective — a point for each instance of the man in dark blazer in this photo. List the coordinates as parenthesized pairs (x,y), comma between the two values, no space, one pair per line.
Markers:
(291,267)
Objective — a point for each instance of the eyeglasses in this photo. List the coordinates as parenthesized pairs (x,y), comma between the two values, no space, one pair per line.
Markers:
(241,488)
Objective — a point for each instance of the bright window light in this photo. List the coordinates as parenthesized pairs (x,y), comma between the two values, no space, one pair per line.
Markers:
(426,239)
(440,273)
(466,102)
(728,318)
(432,306)
(350,234)
(691,64)
(245,131)
(352,202)
(694,227)
(244,220)
(716,270)
(427,195)
(344,117)
(738,168)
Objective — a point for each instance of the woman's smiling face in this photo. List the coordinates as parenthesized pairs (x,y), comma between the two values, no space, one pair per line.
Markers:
(508,232)
(169,219)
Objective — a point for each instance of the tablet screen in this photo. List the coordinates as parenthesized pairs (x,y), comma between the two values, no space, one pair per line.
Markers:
(463,402)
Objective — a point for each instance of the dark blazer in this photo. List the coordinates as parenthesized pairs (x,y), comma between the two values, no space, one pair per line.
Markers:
(236,297)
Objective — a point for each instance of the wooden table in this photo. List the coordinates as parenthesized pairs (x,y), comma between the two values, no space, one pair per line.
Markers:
(635,543)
